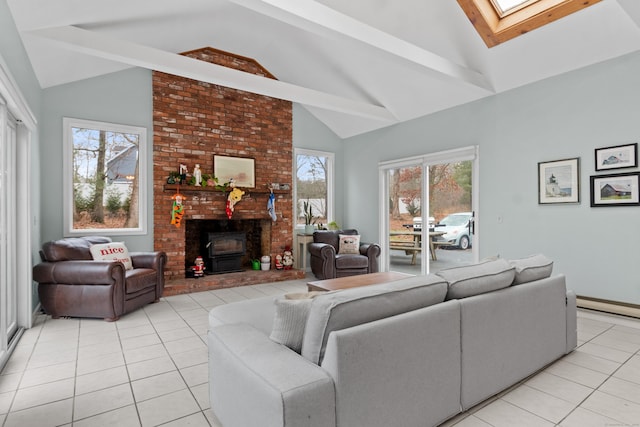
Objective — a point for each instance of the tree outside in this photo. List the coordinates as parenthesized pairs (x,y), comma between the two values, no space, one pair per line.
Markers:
(105,179)
(449,192)
(311,187)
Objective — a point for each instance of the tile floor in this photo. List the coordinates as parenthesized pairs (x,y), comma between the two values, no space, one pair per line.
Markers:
(150,368)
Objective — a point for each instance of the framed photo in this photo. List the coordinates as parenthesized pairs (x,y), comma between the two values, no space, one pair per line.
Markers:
(559,181)
(241,170)
(618,157)
(615,190)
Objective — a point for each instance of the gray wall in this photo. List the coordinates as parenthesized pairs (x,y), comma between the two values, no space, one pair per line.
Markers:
(561,117)
(17,62)
(311,134)
(124,97)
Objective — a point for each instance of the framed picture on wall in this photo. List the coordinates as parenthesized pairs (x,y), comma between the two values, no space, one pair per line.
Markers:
(618,157)
(615,190)
(559,181)
(240,170)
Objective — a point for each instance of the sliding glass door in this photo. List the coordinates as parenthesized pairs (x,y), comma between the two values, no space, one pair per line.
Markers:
(428,218)
(8,282)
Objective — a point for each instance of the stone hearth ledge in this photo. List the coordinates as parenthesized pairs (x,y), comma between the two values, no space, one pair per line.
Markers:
(229,280)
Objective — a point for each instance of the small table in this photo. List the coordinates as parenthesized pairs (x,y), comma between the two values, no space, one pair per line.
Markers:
(356,281)
(302,240)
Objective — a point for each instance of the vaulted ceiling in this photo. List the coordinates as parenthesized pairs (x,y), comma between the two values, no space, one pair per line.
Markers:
(357,65)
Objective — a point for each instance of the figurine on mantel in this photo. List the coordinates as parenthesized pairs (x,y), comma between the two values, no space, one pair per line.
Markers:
(183,173)
(197,175)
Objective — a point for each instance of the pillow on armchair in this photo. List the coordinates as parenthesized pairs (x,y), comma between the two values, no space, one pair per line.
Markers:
(114,251)
(349,244)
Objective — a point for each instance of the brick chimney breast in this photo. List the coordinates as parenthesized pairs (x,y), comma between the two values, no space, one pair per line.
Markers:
(192,122)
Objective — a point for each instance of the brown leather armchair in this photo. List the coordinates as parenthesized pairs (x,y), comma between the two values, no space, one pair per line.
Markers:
(327,263)
(71,283)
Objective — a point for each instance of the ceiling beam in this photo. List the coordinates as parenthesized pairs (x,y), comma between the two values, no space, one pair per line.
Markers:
(102,46)
(315,17)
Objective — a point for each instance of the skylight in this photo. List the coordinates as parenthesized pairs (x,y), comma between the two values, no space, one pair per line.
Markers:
(504,7)
(498,21)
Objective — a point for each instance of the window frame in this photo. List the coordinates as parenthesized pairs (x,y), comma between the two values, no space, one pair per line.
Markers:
(495,29)
(329,178)
(68,200)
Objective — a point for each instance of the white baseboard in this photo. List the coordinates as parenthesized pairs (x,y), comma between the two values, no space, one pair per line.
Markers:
(609,306)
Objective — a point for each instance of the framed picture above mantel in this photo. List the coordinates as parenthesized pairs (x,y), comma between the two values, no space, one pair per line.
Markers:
(240,170)
(559,181)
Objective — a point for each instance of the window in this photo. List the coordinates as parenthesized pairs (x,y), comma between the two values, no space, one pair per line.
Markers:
(511,18)
(105,178)
(314,185)
(505,7)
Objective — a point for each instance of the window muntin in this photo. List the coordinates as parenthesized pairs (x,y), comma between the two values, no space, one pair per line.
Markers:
(314,185)
(105,178)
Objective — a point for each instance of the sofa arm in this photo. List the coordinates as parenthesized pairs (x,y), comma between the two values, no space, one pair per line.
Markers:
(572,322)
(256,381)
(153,260)
(372,252)
(79,272)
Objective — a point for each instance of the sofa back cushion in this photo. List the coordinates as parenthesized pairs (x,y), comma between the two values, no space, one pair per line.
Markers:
(477,279)
(532,268)
(350,307)
(71,248)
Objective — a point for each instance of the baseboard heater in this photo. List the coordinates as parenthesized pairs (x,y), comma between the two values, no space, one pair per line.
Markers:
(614,307)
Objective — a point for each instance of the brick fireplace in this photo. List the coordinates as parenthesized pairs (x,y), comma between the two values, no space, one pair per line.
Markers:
(193,121)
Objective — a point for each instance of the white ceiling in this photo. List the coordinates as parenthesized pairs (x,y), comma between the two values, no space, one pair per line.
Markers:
(357,65)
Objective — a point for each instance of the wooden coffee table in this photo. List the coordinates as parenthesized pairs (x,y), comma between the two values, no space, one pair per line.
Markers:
(356,281)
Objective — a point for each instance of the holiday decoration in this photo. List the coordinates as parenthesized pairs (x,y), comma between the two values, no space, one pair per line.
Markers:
(198,268)
(235,196)
(287,259)
(177,210)
(271,206)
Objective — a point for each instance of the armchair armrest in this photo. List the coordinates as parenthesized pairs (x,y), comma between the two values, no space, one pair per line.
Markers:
(322,250)
(256,381)
(79,272)
(322,260)
(372,252)
(153,260)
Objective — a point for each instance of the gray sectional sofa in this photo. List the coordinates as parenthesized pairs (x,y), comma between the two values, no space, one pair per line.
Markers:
(413,352)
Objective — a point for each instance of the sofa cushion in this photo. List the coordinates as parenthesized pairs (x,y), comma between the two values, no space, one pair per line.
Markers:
(257,312)
(534,267)
(349,244)
(477,279)
(350,307)
(292,311)
(113,251)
